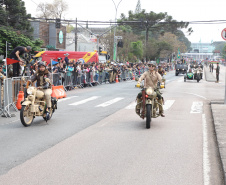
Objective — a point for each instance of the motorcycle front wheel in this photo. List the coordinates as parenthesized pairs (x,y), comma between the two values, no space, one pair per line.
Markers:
(148,115)
(26,117)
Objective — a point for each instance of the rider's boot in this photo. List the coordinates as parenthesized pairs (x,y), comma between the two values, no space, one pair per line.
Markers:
(161,108)
(138,106)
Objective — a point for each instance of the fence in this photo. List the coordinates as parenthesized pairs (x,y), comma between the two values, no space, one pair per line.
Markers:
(88,79)
(11,86)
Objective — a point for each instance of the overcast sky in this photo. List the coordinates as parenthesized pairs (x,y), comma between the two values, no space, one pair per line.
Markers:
(192,10)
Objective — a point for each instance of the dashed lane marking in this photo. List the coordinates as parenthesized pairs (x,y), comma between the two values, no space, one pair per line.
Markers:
(131,106)
(68,98)
(196,108)
(166,106)
(85,100)
(110,102)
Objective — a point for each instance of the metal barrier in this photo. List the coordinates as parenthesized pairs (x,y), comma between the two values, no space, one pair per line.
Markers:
(7,99)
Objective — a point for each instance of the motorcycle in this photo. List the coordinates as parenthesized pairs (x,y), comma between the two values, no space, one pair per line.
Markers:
(195,75)
(149,105)
(35,105)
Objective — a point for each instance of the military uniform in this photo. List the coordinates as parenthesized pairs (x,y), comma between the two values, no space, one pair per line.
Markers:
(217,72)
(151,80)
(40,78)
(2,77)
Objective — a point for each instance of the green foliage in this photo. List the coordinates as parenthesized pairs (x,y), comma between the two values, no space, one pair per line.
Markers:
(137,49)
(16,39)
(154,25)
(13,13)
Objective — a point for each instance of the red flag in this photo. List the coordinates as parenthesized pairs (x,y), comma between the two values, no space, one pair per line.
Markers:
(11,61)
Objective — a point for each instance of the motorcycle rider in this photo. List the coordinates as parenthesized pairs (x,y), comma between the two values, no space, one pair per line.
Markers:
(42,76)
(151,78)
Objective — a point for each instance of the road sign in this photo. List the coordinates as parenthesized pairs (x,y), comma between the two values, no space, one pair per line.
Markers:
(223,34)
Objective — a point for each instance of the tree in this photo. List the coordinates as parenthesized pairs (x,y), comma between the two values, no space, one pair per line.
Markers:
(138,7)
(9,35)
(13,13)
(137,49)
(44,9)
(156,23)
(55,10)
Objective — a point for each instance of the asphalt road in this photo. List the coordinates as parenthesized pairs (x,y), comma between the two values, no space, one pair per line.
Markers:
(95,137)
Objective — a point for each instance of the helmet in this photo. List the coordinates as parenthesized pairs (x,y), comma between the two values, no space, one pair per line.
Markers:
(41,64)
(152,63)
(29,48)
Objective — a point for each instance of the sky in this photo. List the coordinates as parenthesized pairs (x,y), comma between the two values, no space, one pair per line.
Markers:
(192,10)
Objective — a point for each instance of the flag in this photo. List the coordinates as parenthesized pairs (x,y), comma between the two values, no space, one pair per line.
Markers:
(178,53)
(11,61)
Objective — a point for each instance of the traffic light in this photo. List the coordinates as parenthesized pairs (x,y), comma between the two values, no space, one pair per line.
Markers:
(9,46)
(100,50)
(120,44)
(58,23)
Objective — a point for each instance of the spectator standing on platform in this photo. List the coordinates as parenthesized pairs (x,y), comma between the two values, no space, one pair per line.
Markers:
(15,54)
(217,72)
(66,59)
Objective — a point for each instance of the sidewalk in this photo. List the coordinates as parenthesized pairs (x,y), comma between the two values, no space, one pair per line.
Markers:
(218,109)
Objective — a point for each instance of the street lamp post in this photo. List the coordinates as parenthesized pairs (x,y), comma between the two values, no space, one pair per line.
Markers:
(115,45)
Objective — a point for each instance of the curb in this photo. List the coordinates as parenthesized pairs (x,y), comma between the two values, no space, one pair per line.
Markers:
(215,132)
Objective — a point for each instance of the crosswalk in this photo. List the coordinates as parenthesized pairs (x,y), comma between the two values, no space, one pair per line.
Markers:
(97,102)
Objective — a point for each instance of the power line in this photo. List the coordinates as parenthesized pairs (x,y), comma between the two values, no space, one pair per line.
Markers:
(34,2)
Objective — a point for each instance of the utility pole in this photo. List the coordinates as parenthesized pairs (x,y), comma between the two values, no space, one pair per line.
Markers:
(76,35)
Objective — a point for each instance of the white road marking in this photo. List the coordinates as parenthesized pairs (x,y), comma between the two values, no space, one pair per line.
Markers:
(168,104)
(196,107)
(110,102)
(85,100)
(131,106)
(197,95)
(68,98)
(206,160)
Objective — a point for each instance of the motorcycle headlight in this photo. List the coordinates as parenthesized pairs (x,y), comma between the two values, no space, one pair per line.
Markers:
(30,91)
(149,91)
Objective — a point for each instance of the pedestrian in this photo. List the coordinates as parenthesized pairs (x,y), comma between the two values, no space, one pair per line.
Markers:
(212,67)
(15,54)
(2,77)
(217,72)
(66,59)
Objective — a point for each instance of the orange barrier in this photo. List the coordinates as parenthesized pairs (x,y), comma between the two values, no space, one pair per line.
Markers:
(20,97)
(116,81)
(58,92)
(133,76)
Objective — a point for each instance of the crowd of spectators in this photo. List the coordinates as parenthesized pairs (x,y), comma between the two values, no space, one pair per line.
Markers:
(72,74)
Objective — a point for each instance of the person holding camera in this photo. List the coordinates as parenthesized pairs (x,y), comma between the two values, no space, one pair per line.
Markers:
(15,54)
